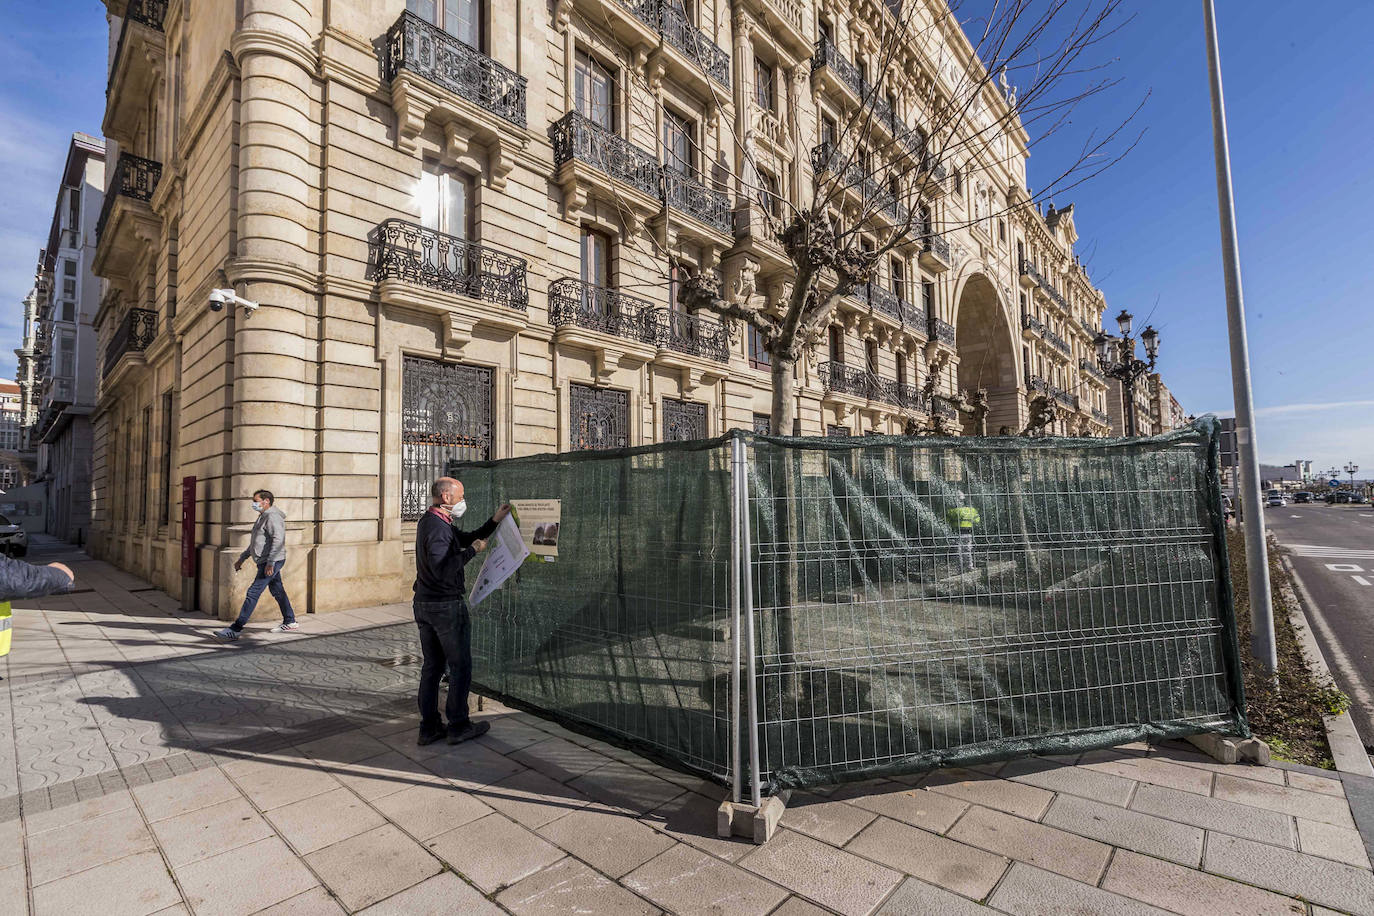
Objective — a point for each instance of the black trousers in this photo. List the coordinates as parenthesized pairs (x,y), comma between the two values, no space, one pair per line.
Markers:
(446,642)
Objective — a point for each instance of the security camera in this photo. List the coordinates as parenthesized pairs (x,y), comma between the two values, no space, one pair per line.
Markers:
(218,297)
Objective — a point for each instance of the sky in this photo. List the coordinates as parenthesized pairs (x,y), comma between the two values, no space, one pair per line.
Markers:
(1298,102)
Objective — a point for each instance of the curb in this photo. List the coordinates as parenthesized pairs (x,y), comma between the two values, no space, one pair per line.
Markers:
(1347,749)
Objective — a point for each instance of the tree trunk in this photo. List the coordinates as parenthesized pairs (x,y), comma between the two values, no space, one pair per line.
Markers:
(785,480)
(784,414)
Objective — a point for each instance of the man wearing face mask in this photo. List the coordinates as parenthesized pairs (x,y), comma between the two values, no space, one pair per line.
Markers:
(441,613)
(267,549)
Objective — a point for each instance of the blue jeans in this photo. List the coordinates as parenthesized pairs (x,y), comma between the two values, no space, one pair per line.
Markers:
(272,584)
(446,643)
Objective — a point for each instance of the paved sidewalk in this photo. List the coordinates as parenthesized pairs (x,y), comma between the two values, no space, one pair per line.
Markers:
(146,769)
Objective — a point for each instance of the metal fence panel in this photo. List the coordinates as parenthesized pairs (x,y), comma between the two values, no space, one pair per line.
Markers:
(1090,604)
(627,633)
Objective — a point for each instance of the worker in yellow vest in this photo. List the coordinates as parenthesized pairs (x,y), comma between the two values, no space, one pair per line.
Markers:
(24,580)
(963,517)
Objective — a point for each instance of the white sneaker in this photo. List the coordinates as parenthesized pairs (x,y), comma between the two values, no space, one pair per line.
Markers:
(285,627)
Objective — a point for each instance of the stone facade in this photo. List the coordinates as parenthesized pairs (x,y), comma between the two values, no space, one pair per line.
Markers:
(470,253)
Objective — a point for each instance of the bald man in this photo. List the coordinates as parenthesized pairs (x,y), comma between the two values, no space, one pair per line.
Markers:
(441,613)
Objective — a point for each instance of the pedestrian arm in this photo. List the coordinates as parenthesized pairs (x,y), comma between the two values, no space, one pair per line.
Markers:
(24,580)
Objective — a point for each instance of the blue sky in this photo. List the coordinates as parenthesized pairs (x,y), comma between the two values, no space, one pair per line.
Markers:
(1298,104)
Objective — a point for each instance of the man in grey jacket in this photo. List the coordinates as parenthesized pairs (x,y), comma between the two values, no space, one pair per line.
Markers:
(267,549)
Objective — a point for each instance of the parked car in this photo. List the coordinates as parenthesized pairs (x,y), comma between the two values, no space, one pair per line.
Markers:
(1357,497)
(1302,496)
(1340,497)
(14,541)
(1274,501)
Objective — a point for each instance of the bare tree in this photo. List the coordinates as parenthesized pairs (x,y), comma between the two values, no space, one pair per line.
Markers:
(873,179)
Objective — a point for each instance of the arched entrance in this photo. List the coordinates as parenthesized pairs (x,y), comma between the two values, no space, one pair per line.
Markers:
(984,341)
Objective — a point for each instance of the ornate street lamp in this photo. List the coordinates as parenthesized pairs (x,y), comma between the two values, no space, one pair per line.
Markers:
(1350,468)
(1117,359)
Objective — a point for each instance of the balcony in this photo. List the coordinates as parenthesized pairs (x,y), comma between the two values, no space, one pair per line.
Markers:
(134,333)
(135,69)
(1100,416)
(425,50)
(1038,281)
(691,41)
(888,303)
(1090,367)
(935,253)
(872,196)
(942,331)
(1032,324)
(642,183)
(784,21)
(1054,340)
(691,334)
(837,378)
(1088,329)
(829,66)
(409,253)
(127,222)
(1040,385)
(606,311)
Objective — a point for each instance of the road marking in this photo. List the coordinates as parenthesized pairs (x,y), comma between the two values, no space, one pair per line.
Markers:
(1361,579)
(1344,567)
(1295,516)
(1317,619)
(1318,551)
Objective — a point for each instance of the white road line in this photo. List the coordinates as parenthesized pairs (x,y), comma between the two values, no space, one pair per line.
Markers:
(1360,579)
(1333,645)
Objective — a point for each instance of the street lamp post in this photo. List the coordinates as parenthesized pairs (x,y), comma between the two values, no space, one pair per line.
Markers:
(1116,357)
(1350,468)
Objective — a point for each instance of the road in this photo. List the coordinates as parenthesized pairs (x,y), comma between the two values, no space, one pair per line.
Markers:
(1332,549)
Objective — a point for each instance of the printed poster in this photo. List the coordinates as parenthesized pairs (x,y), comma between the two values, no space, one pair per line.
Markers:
(506,550)
(539,521)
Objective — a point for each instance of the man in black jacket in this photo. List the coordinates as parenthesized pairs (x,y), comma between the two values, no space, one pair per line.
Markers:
(24,580)
(441,611)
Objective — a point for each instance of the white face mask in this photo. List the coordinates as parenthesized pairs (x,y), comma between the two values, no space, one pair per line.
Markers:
(457,510)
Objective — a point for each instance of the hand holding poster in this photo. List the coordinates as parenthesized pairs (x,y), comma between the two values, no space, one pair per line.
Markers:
(506,550)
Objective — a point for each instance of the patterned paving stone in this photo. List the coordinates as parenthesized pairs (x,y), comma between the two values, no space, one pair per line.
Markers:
(1028,891)
(568,886)
(610,841)
(133,886)
(372,866)
(834,878)
(1191,893)
(1322,881)
(1127,829)
(445,894)
(688,882)
(935,859)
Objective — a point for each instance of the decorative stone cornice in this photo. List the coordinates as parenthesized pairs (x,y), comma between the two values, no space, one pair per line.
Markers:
(249,42)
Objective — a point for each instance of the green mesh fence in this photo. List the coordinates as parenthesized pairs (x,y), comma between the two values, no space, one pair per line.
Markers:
(1087,604)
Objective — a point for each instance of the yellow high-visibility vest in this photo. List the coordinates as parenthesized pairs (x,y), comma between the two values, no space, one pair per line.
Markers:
(965,517)
(6,621)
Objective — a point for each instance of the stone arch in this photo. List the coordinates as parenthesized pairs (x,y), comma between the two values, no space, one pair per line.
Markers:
(987,343)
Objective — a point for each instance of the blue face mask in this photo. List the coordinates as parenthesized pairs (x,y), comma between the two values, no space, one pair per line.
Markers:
(257,506)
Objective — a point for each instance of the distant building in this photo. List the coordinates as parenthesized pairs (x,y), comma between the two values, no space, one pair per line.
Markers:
(64,360)
(11,430)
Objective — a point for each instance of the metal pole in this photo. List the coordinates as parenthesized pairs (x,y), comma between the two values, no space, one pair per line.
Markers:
(1256,551)
(750,642)
(736,475)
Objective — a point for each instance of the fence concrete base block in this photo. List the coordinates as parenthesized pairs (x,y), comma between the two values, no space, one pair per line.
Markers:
(1219,747)
(1255,751)
(742,819)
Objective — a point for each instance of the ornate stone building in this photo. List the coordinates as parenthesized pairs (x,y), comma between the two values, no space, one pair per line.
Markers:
(465,222)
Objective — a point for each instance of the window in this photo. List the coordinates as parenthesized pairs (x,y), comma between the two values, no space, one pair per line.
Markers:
(958,179)
(763,424)
(445,417)
(923,219)
(677,274)
(73,213)
(928,297)
(446,201)
(596,257)
(764,95)
(824,31)
(758,356)
(901,370)
(829,130)
(600,417)
(836,345)
(898,272)
(68,310)
(871,356)
(1020,253)
(147,444)
(679,143)
(683,421)
(769,198)
(1001,230)
(460,18)
(594,91)
(66,356)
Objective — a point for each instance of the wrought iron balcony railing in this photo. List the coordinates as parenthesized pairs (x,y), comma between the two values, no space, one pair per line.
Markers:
(1091,367)
(1055,296)
(827,55)
(861,383)
(690,40)
(135,178)
(938,245)
(609,311)
(942,331)
(150,13)
(577,137)
(895,8)
(133,335)
(1087,326)
(826,157)
(1031,323)
(428,51)
(400,250)
(1056,341)
(1100,416)
(893,305)
(572,301)
(1036,383)
(690,196)
(691,334)
(944,407)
